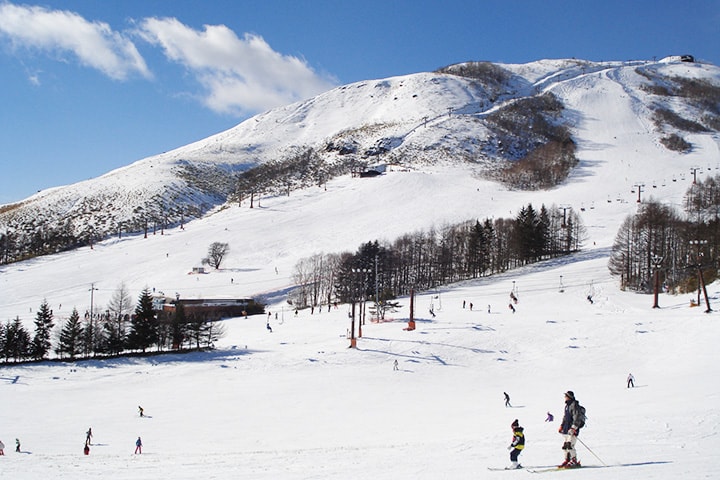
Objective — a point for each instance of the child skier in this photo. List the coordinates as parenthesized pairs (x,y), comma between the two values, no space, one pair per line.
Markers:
(517,445)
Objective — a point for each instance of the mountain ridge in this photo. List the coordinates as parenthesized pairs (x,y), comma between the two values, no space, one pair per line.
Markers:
(430,118)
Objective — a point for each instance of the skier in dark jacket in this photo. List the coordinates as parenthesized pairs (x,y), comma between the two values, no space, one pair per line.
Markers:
(570,427)
(517,445)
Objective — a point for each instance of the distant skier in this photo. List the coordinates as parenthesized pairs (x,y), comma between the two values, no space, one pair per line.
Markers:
(2,448)
(138,446)
(269,328)
(549,417)
(630,381)
(17,445)
(573,420)
(510,306)
(517,445)
(88,436)
(141,411)
(507,399)
(395,365)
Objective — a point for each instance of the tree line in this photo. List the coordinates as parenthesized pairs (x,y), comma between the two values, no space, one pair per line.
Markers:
(426,259)
(681,244)
(119,330)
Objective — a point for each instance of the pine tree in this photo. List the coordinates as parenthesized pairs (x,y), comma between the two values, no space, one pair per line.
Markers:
(17,341)
(144,325)
(43,327)
(71,341)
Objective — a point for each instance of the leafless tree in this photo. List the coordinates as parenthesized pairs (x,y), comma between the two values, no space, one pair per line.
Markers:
(216,253)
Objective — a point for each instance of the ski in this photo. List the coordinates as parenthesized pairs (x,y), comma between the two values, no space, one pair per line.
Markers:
(551,469)
(501,469)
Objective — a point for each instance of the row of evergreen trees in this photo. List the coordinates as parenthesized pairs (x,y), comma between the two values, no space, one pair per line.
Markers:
(425,260)
(106,334)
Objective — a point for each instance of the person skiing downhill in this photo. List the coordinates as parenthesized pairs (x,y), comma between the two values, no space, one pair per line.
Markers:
(517,445)
(138,446)
(507,399)
(571,424)
(630,380)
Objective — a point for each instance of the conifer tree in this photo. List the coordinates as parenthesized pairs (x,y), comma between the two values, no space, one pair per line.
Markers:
(71,336)
(17,341)
(43,327)
(144,325)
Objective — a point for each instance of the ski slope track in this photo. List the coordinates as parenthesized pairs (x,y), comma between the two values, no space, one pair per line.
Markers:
(297,403)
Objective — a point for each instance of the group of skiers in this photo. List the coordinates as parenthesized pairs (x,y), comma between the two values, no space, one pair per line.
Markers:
(17,446)
(573,420)
(88,438)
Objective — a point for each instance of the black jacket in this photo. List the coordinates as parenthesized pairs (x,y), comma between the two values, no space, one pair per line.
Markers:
(571,417)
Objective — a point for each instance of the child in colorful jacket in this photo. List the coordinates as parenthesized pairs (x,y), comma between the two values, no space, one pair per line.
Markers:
(517,445)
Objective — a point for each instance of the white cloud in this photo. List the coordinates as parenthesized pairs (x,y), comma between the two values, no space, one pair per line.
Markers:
(94,44)
(240,75)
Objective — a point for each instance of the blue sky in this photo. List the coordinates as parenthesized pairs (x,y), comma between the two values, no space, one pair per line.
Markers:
(87,86)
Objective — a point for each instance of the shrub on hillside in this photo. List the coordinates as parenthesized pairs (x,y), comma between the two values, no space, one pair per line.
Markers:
(676,143)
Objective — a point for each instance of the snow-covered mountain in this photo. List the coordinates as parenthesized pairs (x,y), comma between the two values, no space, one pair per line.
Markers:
(449,117)
(297,403)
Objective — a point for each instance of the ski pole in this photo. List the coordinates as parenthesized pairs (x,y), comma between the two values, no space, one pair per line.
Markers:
(589,450)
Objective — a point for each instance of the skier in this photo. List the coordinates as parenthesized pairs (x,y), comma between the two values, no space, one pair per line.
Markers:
(571,423)
(138,446)
(141,411)
(630,381)
(550,417)
(395,364)
(2,448)
(88,436)
(507,399)
(268,327)
(517,445)
(17,445)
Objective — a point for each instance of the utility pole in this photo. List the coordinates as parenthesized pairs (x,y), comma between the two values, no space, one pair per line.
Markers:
(694,171)
(92,299)
(377,293)
(701,278)
(656,261)
(564,208)
(639,187)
